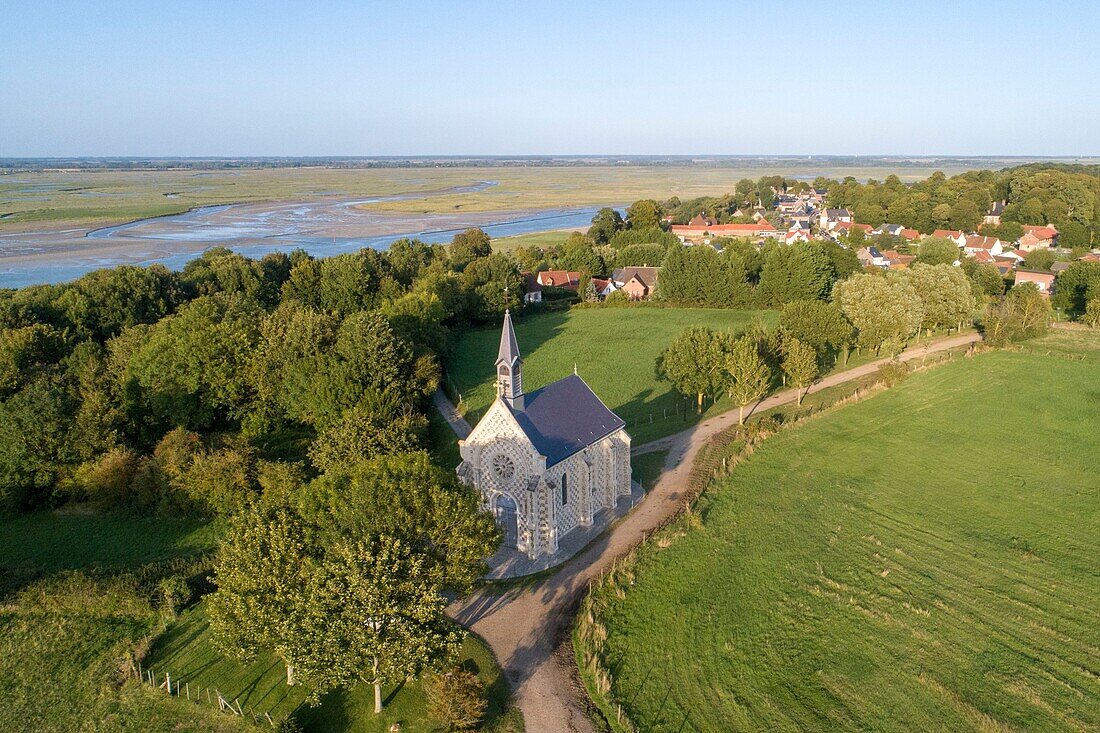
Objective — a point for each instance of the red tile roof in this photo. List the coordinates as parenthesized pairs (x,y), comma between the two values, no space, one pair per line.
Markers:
(1041,232)
(559,278)
(947,233)
(910,234)
(978,241)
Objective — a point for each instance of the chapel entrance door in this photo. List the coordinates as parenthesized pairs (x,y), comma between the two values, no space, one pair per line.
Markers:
(506,517)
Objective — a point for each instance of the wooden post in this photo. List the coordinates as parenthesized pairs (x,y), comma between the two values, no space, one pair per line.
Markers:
(187,689)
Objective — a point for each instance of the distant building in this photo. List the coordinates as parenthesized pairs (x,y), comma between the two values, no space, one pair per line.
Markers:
(993,216)
(871,257)
(532,291)
(1035,237)
(639,283)
(955,235)
(833,216)
(559,279)
(695,232)
(977,243)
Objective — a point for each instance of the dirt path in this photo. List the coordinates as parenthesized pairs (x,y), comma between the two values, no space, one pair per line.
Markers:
(525,626)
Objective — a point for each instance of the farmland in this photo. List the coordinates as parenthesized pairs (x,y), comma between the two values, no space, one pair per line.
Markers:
(921,560)
(615,351)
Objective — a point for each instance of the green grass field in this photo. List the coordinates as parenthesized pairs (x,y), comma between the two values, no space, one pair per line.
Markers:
(615,350)
(66,636)
(185,651)
(925,559)
(52,541)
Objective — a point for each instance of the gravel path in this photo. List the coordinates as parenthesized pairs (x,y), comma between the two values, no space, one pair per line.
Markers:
(526,625)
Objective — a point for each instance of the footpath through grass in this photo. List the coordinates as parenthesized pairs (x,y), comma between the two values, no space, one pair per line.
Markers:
(615,351)
(925,559)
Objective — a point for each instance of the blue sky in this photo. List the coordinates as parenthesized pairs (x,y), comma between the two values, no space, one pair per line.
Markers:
(404,78)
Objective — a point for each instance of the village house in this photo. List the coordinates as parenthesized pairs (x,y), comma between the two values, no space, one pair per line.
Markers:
(955,235)
(638,283)
(993,216)
(532,291)
(832,216)
(1042,280)
(897,261)
(559,279)
(978,243)
(794,235)
(545,462)
(603,287)
(871,257)
(1035,237)
(693,232)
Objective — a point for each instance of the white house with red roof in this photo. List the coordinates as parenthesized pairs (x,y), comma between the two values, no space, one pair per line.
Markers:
(979,243)
(955,235)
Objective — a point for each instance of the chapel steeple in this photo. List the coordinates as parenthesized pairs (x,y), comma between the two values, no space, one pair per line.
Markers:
(509,366)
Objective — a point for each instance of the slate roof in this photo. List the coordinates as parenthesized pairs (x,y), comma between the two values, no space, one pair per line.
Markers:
(508,353)
(564,417)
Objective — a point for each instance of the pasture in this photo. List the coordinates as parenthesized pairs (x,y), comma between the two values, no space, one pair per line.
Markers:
(925,559)
(615,351)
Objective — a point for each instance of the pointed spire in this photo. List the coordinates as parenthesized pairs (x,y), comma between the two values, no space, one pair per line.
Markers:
(509,348)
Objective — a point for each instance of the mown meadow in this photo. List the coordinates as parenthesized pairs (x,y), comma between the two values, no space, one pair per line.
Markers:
(924,559)
(615,351)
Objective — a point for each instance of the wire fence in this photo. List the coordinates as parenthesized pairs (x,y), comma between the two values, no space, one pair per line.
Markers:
(196,693)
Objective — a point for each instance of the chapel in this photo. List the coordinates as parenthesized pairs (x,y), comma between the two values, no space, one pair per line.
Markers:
(546,461)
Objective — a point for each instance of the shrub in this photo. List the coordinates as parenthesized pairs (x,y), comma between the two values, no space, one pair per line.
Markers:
(456,699)
(893,372)
(1092,313)
(616,299)
(173,593)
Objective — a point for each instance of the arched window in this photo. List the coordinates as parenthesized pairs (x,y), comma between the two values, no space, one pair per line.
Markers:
(564,491)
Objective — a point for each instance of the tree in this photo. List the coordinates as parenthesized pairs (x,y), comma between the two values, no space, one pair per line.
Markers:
(799,364)
(816,323)
(605,223)
(946,297)
(795,273)
(408,497)
(1092,313)
(192,369)
(35,444)
(493,284)
(748,377)
(1076,286)
(378,424)
(938,251)
(693,362)
(376,615)
(468,246)
(263,565)
(643,214)
(985,279)
(1022,314)
(881,308)
(1039,259)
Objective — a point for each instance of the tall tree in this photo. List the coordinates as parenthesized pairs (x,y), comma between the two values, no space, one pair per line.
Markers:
(748,376)
(800,365)
(376,616)
(263,566)
(693,362)
(605,223)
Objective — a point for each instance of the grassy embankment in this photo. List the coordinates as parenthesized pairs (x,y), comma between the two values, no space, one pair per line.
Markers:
(78,603)
(924,559)
(94,198)
(67,638)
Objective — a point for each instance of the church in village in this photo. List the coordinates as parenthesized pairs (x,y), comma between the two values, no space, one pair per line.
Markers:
(546,461)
